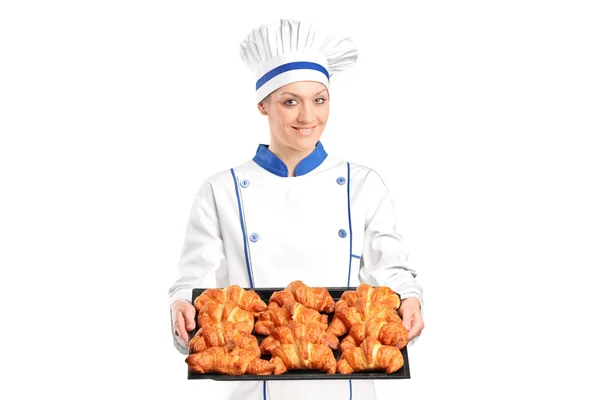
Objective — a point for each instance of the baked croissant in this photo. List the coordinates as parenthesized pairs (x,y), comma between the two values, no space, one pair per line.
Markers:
(305,315)
(217,320)
(270,318)
(198,343)
(247,300)
(388,333)
(378,294)
(227,337)
(317,298)
(222,361)
(303,355)
(295,330)
(371,355)
(346,316)
(291,311)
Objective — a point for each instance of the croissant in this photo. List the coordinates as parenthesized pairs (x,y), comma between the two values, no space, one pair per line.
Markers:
(388,333)
(291,311)
(346,316)
(305,315)
(347,298)
(198,343)
(270,318)
(217,320)
(371,355)
(295,330)
(222,361)
(378,294)
(317,298)
(247,300)
(226,338)
(302,354)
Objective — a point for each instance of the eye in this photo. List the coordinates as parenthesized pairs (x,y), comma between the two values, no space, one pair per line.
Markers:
(289,102)
(320,100)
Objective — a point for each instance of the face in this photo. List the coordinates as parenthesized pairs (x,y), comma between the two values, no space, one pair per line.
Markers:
(298,113)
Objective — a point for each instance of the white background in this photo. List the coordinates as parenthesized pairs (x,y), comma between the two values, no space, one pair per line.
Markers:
(482,117)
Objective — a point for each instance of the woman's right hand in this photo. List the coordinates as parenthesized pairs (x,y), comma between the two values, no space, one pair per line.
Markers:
(183,316)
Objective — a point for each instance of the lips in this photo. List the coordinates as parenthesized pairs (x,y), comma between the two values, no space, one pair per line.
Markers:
(305,131)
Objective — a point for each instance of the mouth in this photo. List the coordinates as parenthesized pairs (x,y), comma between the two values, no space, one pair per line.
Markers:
(304,131)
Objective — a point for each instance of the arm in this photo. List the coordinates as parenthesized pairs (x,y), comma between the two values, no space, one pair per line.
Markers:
(202,255)
(384,260)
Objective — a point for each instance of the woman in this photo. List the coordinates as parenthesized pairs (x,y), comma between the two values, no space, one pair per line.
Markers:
(293,212)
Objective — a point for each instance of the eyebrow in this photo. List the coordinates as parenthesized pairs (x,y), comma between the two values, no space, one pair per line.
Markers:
(295,95)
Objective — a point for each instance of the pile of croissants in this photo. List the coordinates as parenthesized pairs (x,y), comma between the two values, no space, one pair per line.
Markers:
(295,331)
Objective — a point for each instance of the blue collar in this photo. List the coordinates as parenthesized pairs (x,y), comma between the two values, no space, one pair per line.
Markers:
(269,161)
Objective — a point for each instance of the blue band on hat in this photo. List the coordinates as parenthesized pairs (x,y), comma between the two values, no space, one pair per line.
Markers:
(288,67)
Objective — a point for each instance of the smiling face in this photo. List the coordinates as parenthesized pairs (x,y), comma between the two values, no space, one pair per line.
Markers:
(298,113)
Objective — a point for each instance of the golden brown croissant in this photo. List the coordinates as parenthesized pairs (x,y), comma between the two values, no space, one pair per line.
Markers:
(371,355)
(305,315)
(388,333)
(218,313)
(317,298)
(238,356)
(291,311)
(217,320)
(223,361)
(247,300)
(294,331)
(303,355)
(198,343)
(346,316)
(270,318)
(378,294)
(227,337)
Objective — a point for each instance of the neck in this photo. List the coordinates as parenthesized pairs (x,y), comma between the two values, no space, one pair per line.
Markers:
(290,157)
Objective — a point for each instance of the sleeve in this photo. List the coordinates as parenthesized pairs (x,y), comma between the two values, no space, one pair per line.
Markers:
(384,259)
(202,254)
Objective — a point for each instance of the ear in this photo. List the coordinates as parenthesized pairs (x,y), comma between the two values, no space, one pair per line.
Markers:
(261,108)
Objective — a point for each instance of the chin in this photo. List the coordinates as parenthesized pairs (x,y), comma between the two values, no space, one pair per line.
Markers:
(305,144)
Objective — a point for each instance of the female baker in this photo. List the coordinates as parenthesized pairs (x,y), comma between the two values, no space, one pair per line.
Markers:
(294,212)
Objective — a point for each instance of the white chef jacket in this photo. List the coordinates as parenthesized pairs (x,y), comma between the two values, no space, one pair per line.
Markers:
(332,225)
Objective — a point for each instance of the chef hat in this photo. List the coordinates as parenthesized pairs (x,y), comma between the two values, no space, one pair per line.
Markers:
(289,51)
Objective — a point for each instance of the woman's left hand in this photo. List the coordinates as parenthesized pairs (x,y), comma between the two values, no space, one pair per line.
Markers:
(410,312)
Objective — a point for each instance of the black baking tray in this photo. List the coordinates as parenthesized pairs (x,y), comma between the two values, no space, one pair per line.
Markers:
(265,295)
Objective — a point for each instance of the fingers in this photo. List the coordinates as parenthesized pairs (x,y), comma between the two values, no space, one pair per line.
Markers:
(417,325)
(189,314)
(180,327)
(407,322)
(184,315)
(408,307)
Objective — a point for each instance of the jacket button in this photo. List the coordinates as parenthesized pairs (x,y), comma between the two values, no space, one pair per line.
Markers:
(244,183)
(342,233)
(254,237)
(341,180)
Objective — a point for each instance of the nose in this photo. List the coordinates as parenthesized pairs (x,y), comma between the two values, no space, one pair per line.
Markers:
(306,113)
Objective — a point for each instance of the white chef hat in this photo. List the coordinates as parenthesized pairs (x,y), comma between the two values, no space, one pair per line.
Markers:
(289,51)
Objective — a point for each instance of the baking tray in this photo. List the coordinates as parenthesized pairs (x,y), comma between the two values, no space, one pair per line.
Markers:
(265,295)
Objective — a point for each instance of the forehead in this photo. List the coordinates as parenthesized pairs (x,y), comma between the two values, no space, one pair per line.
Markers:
(302,88)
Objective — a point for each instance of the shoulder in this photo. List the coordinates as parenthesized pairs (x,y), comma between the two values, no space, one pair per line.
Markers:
(216,182)
(365,175)
(225,177)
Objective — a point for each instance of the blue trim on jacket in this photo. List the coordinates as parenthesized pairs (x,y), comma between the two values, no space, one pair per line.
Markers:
(351,255)
(269,161)
(349,225)
(237,193)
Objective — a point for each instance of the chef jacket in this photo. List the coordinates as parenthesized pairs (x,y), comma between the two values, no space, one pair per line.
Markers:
(332,225)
